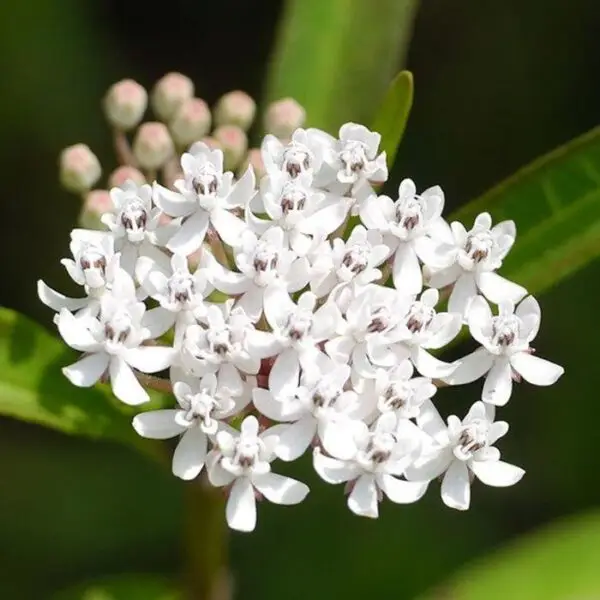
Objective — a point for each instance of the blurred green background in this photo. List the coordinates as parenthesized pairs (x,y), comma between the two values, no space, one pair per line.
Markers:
(497,83)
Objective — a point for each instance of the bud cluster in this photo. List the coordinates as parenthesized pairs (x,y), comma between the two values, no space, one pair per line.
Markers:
(302,312)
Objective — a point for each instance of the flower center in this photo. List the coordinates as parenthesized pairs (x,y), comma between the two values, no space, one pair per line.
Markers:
(206,181)
(181,287)
(380,320)
(247,451)
(396,396)
(293,197)
(505,330)
(92,257)
(409,213)
(353,157)
(380,447)
(118,328)
(356,259)
(298,325)
(419,317)
(219,341)
(472,437)
(265,262)
(479,245)
(297,158)
(134,218)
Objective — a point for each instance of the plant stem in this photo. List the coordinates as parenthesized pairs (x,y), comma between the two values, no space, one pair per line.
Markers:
(123,149)
(207,575)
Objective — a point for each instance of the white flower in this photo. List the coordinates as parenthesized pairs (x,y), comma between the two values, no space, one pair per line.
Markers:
(355,260)
(229,337)
(134,224)
(300,326)
(113,341)
(397,391)
(413,227)
(262,262)
(204,196)
(301,211)
(461,449)
(243,461)
(423,328)
(93,266)
(180,294)
(365,335)
(475,255)
(313,400)
(203,406)
(506,354)
(381,455)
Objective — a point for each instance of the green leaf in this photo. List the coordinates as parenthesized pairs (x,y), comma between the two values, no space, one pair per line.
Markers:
(33,388)
(559,562)
(393,113)
(337,57)
(123,587)
(555,202)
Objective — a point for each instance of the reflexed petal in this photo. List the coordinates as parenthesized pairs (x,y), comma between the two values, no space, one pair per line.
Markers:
(401,492)
(333,470)
(464,289)
(124,383)
(498,289)
(406,271)
(456,488)
(363,498)
(87,371)
(228,226)
(268,405)
(150,359)
(471,367)
(431,422)
(57,301)
(252,302)
(242,191)
(295,439)
(158,321)
(190,454)
(496,473)
(534,369)
(429,366)
(172,203)
(228,282)
(157,424)
(340,348)
(191,234)
(217,475)
(498,383)
(279,489)
(241,506)
(75,333)
(285,372)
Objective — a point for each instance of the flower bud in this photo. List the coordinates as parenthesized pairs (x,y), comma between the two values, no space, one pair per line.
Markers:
(233,142)
(95,204)
(170,93)
(191,122)
(255,160)
(122,174)
(284,117)
(79,168)
(211,142)
(235,108)
(152,145)
(125,104)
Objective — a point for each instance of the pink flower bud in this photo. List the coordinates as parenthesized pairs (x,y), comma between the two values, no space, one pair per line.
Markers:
(284,117)
(191,122)
(152,146)
(170,93)
(120,175)
(95,204)
(235,108)
(79,168)
(125,104)
(233,142)
(255,160)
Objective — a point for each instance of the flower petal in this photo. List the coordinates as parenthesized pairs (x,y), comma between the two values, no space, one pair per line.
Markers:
(75,333)
(124,383)
(157,424)
(429,366)
(228,226)
(190,454)
(401,492)
(456,487)
(496,472)
(363,498)
(280,489)
(190,235)
(464,289)
(241,506)
(534,369)
(295,439)
(406,271)
(56,301)
(498,289)
(150,359)
(471,367)
(333,470)
(87,371)
(498,383)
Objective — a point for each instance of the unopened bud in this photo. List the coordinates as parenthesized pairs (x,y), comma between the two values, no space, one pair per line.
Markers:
(235,108)
(122,174)
(255,160)
(191,122)
(284,117)
(79,168)
(125,104)
(170,93)
(211,142)
(233,142)
(152,146)
(95,204)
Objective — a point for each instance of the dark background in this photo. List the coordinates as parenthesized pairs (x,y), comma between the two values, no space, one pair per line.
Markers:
(497,83)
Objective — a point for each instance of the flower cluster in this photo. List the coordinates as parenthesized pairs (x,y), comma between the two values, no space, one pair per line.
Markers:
(302,313)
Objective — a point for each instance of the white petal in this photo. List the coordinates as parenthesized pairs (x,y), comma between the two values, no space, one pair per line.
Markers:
(228,226)
(190,235)
(498,289)
(430,420)
(172,203)
(150,359)
(241,506)
(536,370)
(430,467)
(228,282)
(333,470)
(75,333)
(456,488)
(471,367)
(158,321)
(252,302)
(406,270)
(363,498)
(496,472)
(285,372)
(87,371)
(401,492)
(279,489)
(498,383)
(267,405)
(295,439)
(190,454)
(157,424)
(464,289)
(429,366)
(124,383)
(56,301)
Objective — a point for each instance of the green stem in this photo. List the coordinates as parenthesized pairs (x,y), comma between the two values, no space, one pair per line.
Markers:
(206,533)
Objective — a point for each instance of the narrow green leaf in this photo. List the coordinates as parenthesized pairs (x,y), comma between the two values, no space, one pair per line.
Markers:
(559,562)
(123,587)
(555,202)
(33,388)
(337,57)
(392,116)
